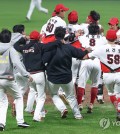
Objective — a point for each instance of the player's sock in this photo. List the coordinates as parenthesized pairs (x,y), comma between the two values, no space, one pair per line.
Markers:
(94,92)
(118,105)
(80,93)
(113,99)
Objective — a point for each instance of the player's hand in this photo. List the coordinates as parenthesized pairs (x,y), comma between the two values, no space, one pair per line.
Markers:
(88,49)
(30,79)
(27,37)
(77,33)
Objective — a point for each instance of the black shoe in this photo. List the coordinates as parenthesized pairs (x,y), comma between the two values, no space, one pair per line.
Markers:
(118,117)
(100,101)
(2,127)
(27,19)
(23,125)
(64,114)
(90,109)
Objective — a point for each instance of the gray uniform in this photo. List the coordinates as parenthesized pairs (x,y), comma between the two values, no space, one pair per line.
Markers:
(8,59)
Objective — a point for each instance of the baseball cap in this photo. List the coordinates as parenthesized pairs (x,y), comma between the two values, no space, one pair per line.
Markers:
(73,16)
(113,21)
(111,35)
(60,7)
(35,35)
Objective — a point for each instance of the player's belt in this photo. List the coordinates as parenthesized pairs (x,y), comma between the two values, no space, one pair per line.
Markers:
(36,72)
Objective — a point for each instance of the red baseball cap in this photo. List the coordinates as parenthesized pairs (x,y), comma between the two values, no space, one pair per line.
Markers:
(60,7)
(111,34)
(113,21)
(73,16)
(35,35)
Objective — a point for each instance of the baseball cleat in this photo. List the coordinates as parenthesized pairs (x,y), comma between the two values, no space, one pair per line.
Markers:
(80,107)
(30,112)
(100,101)
(118,116)
(2,127)
(23,125)
(27,19)
(64,114)
(41,119)
(89,109)
(80,117)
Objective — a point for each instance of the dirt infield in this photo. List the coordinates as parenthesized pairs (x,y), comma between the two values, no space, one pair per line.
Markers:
(87,97)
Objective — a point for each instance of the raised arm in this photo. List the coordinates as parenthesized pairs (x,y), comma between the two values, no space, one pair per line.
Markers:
(19,45)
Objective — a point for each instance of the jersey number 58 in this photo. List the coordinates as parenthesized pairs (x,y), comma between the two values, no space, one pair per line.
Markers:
(113,59)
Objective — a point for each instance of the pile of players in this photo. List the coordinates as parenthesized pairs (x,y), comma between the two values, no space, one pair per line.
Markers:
(44,60)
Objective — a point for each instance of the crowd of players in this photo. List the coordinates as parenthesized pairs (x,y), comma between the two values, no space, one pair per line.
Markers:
(44,60)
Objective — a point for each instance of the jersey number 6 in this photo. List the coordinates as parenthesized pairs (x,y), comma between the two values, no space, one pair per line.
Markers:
(49,27)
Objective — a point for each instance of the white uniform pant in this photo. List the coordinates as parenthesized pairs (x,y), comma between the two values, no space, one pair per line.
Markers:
(89,69)
(39,85)
(32,95)
(37,4)
(10,86)
(22,82)
(74,68)
(112,83)
(70,95)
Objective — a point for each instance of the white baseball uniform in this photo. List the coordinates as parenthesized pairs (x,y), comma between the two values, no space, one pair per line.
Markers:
(90,68)
(37,4)
(109,56)
(52,23)
(72,28)
(49,28)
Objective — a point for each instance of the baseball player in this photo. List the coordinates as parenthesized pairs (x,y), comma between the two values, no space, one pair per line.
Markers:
(32,59)
(48,29)
(38,5)
(22,82)
(109,56)
(8,59)
(60,75)
(54,22)
(113,23)
(72,28)
(90,68)
(93,17)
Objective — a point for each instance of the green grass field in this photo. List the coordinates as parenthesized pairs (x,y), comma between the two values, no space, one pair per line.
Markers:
(14,12)
(53,124)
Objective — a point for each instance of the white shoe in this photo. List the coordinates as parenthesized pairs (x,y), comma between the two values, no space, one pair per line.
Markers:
(79,117)
(38,120)
(23,125)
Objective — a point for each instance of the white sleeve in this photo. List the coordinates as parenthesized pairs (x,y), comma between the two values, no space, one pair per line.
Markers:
(95,53)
